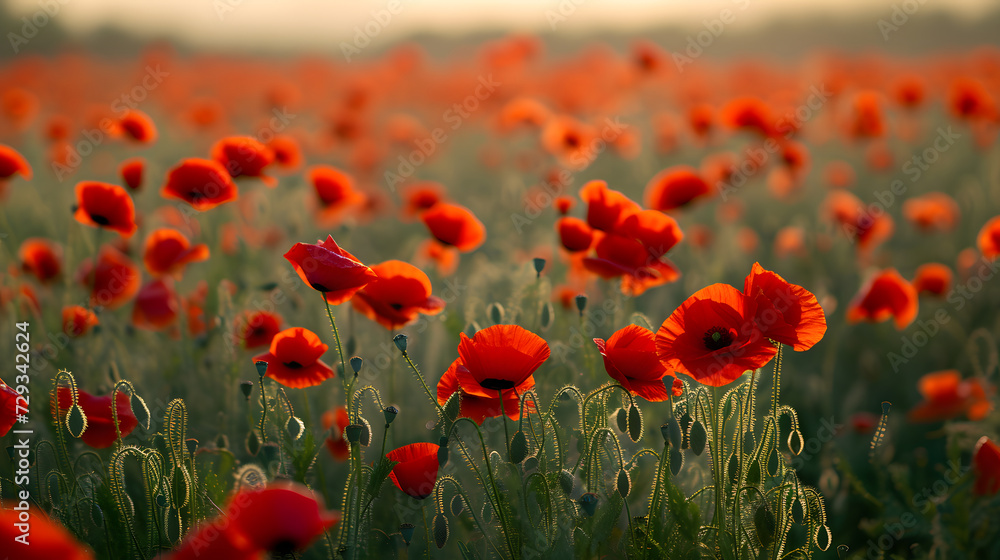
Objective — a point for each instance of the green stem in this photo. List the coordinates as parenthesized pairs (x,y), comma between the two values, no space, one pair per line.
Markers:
(503,418)
(720,483)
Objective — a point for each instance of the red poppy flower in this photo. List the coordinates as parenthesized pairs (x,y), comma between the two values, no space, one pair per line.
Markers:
(40,257)
(839,174)
(444,257)
(167,251)
(420,197)
(257,328)
(713,337)
(106,206)
(401,292)
(748,113)
(606,209)
(477,403)
(933,278)
(988,239)
(281,518)
(654,230)
(946,395)
(455,225)
(12,162)
(156,305)
(790,240)
(243,156)
(862,226)
(336,421)
(867,119)
(327,268)
(100,432)
(523,111)
(932,211)
(294,359)
(214,539)
(909,91)
(77,320)
(885,295)
(335,190)
(701,117)
(132,171)
(287,153)
(630,359)
(568,139)
(202,183)
(785,313)
(625,257)
(115,280)
(193,306)
(969,99)
(574,234)
(986,461)
(502,356)
(48,539)
(9,399)
(138,126)
(564,204)
(675,187)
(417,468)
(864,422)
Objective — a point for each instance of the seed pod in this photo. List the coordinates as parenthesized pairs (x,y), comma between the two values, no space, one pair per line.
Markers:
(440,530)
(676,460)
(566,481)
(222,441)
(685,424)
(546,318)
(406,531)
(634,424)
(518,447)
(253,443)
(390,413)
(698,437)
(588,502)
(624,483)
(356,363)
(539,266)
(400,341)
(764,523)
(496,312)
(581,303)
(457,505)
(261,367)
(353,432)
(621,418)
(246,387)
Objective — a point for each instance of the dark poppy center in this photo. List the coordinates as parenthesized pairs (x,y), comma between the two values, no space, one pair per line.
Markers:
(292,365)
(496,384)
(99,219)
(284,547)
(396,306)
(717,337)
(320,287)
(572,140)
(195,196)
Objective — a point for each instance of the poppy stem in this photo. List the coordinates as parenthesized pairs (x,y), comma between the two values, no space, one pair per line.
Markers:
(720,483)
(263,413)
(503,418)
(423,383)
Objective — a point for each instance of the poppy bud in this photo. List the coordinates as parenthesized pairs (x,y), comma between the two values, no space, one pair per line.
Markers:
(366,433)
(140,410)
(676,460)
(270,452)
(76,421)
(246,387)
(457,505)
(295,427)
(400,341)
(566,481)
(222,441)
(634,424)
(440,530)
(624,483)
(685,423)
(406,531)
(764,523)
(733,469)
(539,266)
(443,451)
(192,445)
(581,303)
(531,463)
(496,312)
(261,366)
(698,437)
(354,432)
(621,418)
(753,473)
(390,413)
(487,512)
(253,443)
(588,502)
(546,320)
(356,363)
(518,447)
(96,514)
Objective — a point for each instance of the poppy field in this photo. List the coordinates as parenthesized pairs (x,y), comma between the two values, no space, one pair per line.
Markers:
(505,302)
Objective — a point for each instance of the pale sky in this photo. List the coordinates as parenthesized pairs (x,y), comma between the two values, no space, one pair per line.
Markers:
(322,24)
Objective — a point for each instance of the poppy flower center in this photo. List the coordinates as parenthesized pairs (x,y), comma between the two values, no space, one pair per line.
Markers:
(100,220)
(292,365)
(717,337)
(396,306)
(283,547)
(496,384)
(320,287)
(572,141)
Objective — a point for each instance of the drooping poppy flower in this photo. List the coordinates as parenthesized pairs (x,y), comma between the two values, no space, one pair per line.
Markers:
(13,163)
(502,356)
(574,234)
(334,189)
(477,403)
(947,395)
(675,187)
(257,328)
(606,209)
(115,280)
(932,211)
(294,359)
(214,539)
(618,256)
(244,156)
(784,312)
(713,337)
(986,462)
(168,251)
(156,305)
(748,113)
(41,258)
(867,119)
(105,206)
(46,539)
(280,518)
(287,153)
(417,468)
(988,240)
(335,421)
(202,183)
(420,197)
(78,320)
(9,399)
(630,359)
(454,225)
(885,295)
(933,278)
(100,432)
(444,257)
(327,268)
(865,228)
(138,126)
(132,171)
(401,292)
